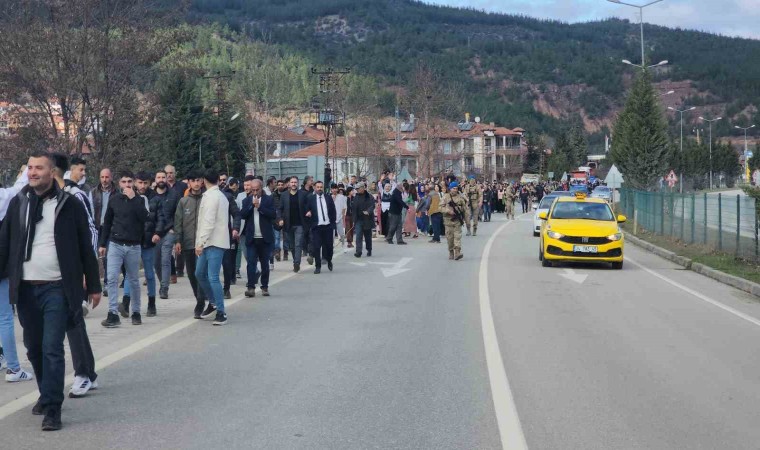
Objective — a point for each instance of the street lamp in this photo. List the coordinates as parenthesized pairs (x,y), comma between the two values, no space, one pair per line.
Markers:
(661,63)
(641,16)
(681,111)
(710,121)
(746,160)
(667,93)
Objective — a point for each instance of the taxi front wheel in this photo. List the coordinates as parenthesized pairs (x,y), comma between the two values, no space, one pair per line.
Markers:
(545,262)
(617,265)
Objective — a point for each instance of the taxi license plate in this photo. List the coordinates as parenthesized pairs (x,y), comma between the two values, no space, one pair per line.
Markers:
(585,249)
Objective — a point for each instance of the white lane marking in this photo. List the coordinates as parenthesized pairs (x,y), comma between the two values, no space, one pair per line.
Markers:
(31,398)
(572,276)
(510,430)
(397,268)
(700,296)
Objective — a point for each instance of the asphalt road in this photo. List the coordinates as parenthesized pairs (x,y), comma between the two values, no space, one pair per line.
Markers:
(388,352)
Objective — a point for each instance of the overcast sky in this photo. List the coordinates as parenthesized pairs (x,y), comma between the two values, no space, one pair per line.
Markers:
(728,17)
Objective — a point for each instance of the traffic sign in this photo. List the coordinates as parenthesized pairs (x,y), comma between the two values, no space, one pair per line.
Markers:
(614,178)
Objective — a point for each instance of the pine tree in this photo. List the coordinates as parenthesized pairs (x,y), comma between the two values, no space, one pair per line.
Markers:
(578,154)
(532,162)
(640,148)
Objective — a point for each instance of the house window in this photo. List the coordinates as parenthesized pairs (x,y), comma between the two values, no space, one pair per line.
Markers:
(447,147)
(468,145)
(412,166)
(413,146)
(487,143)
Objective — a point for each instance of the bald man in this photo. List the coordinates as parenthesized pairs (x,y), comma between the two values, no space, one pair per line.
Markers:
(99,197)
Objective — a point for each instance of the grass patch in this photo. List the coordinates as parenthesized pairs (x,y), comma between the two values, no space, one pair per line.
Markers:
(728,263)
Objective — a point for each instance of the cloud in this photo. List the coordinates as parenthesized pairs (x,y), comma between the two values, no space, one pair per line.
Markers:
(727,17)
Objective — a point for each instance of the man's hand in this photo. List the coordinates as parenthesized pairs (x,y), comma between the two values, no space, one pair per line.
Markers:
(256,202)
(178,248)
(102,252)
(235,234)
(130,193)
(155,239)
(198,250)
(366,213)
(308,214)
(282,222)
(95,300)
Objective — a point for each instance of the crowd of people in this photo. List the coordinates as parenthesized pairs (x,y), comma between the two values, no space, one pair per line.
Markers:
(59,237)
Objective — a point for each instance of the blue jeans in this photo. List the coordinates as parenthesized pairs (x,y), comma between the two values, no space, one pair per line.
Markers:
(7,338)
(43,312)
(207,272)
(296,242)
(148,260)
(167,247)
(129,256)
(260,251)
(487,211)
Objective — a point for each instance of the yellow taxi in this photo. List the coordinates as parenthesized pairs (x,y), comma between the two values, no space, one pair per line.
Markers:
(581,229)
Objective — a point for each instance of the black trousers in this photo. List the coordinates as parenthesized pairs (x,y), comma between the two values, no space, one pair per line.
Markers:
(322,243)
(363,232)
(81,352)
(228,267)
(180,264)
(190,260)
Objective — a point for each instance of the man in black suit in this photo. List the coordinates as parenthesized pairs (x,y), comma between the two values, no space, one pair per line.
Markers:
(394,217)
(291,218)
(321,212)
(259,214)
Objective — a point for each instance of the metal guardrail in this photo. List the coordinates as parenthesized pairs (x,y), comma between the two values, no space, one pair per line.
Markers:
(724,222)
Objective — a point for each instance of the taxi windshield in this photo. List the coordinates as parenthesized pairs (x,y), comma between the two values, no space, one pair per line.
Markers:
(582,211)
(546,202)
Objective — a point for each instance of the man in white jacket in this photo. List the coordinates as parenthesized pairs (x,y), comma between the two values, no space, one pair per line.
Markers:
(211,240)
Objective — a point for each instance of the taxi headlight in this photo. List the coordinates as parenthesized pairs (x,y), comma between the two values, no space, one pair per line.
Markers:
(554,234)
(615,237)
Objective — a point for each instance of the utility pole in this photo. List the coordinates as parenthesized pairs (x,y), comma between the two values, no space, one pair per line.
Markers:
(324,114)
(681,111)
(710,121)
(746,151)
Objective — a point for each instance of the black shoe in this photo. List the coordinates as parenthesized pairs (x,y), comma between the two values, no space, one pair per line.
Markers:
(369,253)
(329,266)
(265,292)
(136,319)
(250,292)
(38,409)
(318,270)
(221,319)
(112,321)
(198,309)
(163,293)
(105,292)
(358,255)
(310,260)
(227,294)
(210,309)
(390,242)
(52,420)
(151,307)
(401,243)
(237,274)
(296,268)
(180,274)
(124,306)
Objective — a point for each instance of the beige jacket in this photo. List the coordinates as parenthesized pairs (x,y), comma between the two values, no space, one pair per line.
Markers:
(213,220)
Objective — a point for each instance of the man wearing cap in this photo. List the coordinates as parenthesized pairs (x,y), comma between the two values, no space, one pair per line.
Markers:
(363,218)
(455,214)
(474,202)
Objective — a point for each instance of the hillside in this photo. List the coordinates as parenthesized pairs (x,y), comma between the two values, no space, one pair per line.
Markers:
(513,69)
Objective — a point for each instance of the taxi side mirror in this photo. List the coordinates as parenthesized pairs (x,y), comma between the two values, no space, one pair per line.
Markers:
(543,215)
(621,218)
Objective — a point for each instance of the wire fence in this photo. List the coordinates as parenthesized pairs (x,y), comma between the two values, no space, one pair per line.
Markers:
(725,223)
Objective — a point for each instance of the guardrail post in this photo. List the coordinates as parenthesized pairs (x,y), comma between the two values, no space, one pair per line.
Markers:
(683,213)
(720,221)
(662,213)
(705,219)
(693,215)
(738,222)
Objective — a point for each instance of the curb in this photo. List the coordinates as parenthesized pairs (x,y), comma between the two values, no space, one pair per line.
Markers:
(722,277)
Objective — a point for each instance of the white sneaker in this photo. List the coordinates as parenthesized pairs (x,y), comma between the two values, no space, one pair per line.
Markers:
(85,309)
(3,364)
(94,385)
(19,375)
(81,386)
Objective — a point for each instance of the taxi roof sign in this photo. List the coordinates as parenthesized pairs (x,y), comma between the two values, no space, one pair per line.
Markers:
(580,195)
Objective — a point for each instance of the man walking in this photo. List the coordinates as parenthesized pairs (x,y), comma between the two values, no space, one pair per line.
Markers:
(363,218)
(259,214)
(474,202)
(292,219)
(395,226)
(43,226)
(122,235)
(176,190)
(321,210)
(280,242)
(228,261)
(154,202)
(162,240)
(185,225)
(487,201)
(307,189)
(510,197)
(211,240)
(99,197)
(455,214)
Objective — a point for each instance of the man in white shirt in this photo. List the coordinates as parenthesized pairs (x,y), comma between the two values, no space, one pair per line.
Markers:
(341,206)
(320,208)
(211,240)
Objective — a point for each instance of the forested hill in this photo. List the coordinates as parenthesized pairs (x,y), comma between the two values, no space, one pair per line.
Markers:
(512,69)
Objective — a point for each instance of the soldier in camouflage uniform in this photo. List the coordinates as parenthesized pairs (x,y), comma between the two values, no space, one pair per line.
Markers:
(509,198)
(453,218)
(474,202)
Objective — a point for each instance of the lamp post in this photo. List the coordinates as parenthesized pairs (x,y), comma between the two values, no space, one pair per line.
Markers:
(661,63)
(710,121)
(746,159)
(681,111)
(641,21)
